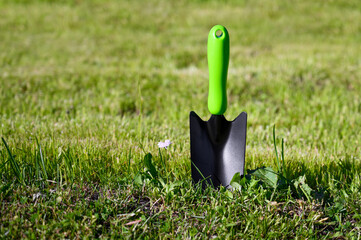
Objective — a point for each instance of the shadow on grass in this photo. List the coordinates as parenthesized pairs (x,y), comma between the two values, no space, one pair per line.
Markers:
(344,171)
(320,182)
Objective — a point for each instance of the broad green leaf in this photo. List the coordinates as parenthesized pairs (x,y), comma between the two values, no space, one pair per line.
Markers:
(229,194)
(236,180)
(138,179)
(300,184)
(266,175)
(149,165)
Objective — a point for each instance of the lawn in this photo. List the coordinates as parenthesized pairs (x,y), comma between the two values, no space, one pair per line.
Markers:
(89,88)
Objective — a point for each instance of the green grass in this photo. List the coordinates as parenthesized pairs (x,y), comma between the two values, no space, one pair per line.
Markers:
(88,89)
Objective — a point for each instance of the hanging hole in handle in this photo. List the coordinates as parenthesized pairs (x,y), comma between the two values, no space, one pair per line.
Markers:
(219,33)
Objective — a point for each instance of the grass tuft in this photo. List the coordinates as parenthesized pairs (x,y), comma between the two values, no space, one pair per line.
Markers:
(14,165)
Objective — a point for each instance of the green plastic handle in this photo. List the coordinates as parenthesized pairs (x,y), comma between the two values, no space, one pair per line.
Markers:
(218,58)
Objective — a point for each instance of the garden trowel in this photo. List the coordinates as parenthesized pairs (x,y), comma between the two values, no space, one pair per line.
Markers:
(218,146)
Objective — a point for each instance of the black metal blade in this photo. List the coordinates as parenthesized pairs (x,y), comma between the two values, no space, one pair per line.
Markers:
(218,148)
